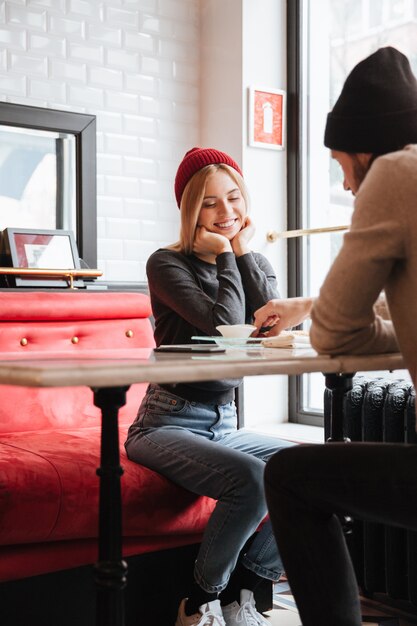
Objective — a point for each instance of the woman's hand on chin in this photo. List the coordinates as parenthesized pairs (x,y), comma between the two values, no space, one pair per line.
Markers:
(240,242)
(207,243)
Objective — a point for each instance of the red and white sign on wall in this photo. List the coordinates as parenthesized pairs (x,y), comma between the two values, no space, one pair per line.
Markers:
(266,118)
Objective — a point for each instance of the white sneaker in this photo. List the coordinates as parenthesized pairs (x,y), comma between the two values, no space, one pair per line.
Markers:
(245,613)
(209,614)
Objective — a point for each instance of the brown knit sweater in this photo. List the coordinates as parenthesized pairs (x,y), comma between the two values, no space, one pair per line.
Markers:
(379,252)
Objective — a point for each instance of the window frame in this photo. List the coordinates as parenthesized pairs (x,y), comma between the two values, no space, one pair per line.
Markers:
(295,186)
(83,127)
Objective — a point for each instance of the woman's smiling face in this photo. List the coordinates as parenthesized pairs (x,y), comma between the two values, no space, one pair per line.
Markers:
(223,210)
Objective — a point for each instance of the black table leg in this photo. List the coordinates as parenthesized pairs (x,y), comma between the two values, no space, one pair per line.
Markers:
(338,385)
(110,570)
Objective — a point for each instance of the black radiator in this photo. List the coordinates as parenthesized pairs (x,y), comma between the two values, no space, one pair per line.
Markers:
(385,558)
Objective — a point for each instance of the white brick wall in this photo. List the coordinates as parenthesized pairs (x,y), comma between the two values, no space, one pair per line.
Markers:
(135,65)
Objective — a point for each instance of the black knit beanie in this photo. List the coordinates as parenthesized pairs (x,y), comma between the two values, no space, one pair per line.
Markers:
(377,109)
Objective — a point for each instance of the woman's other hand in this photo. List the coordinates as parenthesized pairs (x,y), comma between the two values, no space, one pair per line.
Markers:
(282,314)
(240,242)
(207,243)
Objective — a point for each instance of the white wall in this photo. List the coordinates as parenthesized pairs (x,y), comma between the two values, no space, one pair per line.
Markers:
(264,65)
(243,44)
(221,70)
(135,65)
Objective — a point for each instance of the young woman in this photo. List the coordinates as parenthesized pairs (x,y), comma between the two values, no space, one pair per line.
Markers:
(188,432)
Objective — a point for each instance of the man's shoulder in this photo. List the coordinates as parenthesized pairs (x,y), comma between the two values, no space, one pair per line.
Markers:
(395,168)
(407,157)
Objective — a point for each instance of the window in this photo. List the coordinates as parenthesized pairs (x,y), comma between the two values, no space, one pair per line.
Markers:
(326,40)
(396,10)
(48,172)
(375,13)
(37,178)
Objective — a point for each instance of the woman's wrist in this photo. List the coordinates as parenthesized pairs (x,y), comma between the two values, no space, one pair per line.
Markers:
(240,250)
(226,248)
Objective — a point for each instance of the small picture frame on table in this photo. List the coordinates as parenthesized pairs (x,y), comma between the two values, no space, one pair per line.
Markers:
(266,115)
(25,248)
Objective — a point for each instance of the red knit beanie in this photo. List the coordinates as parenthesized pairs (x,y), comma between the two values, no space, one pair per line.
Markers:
(194,160)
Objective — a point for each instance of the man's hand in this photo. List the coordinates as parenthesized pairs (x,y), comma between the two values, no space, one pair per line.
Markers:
(282,314)
(207,243)
(240,242)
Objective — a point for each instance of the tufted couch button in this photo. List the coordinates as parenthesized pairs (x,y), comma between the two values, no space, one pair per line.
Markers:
(74,340)
(23,341)
(129,333)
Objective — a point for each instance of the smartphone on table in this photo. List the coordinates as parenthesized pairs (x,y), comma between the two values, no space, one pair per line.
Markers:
(189,347)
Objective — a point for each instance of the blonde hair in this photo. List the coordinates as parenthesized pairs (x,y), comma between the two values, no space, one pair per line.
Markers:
(192,201)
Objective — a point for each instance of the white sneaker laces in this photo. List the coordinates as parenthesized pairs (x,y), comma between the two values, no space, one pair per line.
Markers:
(249,616)
(211,619)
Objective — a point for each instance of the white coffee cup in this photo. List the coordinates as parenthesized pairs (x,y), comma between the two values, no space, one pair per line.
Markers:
(239,331)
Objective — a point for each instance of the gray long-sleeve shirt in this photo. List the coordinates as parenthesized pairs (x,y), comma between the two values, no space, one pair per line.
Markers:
(191,297)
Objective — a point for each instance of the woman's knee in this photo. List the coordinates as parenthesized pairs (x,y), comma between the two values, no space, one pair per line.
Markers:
(251,476)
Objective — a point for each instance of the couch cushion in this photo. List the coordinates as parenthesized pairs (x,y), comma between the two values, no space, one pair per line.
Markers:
(69,324)
(74,339)
(72,305)
(49,491)
(27,409)
(27,477)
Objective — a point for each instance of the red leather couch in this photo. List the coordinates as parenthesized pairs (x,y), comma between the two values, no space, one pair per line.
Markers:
(49,440)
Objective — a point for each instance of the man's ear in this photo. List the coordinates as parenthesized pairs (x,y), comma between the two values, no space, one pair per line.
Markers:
(365,158)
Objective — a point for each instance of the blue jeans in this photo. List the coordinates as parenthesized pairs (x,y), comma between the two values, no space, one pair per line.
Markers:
(199,447)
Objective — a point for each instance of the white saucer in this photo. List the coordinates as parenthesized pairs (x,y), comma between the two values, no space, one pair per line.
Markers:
(235,342)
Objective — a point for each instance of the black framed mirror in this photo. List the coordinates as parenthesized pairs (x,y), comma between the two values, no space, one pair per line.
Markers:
(48,173)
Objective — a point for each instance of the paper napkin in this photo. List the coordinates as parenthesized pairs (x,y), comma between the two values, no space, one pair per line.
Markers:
(288,339)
